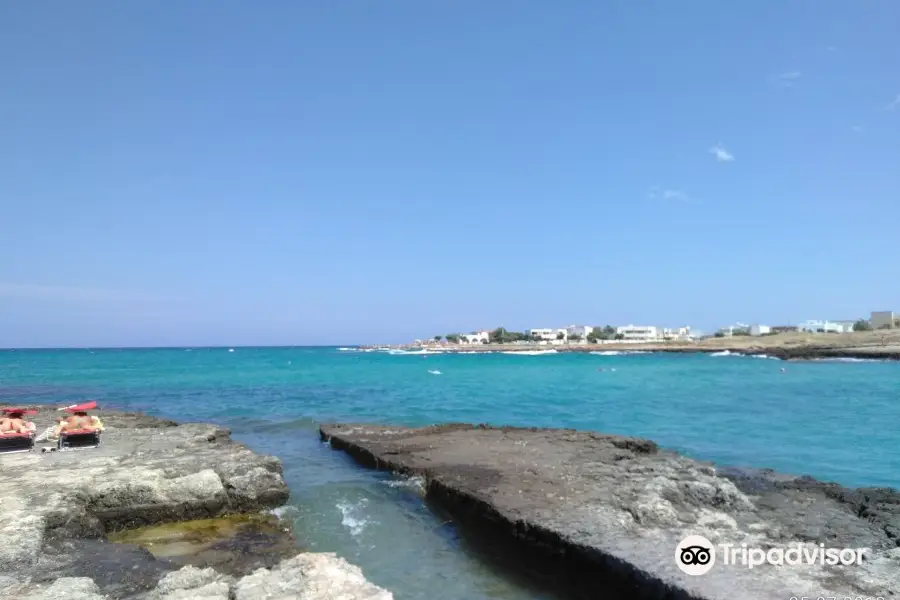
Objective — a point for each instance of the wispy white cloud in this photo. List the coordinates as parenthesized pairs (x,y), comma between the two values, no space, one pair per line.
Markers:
(857,129)
(721,154)
(895,103)
(79,294)
(671,195)
(786,78)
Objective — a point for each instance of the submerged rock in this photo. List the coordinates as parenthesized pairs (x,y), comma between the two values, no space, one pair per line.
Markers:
(602,516)
(235,545)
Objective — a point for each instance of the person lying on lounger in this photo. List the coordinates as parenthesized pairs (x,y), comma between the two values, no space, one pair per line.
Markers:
(80,421)
(14,422)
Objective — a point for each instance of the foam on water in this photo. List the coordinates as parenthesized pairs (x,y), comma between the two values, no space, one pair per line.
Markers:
(353,516)
(843,359)
(413,483)
(284,512)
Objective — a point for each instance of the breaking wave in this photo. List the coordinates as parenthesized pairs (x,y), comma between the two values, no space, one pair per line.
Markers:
(352,516)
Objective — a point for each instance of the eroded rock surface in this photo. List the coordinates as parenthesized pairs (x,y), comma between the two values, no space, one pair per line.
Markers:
(57,507)
(315,576)
(605,513)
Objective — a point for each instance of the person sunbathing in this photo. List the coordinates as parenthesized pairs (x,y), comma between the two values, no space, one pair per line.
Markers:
(14,422)
(80,421)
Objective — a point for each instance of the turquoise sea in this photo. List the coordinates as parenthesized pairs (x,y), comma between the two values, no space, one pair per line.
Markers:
(837,421)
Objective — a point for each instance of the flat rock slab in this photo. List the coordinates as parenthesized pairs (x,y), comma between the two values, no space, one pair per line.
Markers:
(606,513)
(56,508)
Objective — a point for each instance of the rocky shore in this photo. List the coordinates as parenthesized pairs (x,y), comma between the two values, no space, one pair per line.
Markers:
(61,511)
(601,516)
(875,345)
(800,352)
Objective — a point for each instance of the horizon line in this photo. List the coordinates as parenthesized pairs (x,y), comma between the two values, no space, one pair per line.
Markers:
(199,347)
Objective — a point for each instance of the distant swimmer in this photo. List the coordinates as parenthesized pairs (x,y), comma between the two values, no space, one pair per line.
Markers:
(783,370)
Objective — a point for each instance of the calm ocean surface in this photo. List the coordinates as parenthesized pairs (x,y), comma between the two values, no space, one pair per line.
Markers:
(837,421)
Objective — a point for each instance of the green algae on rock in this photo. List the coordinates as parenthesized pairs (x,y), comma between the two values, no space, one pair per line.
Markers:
(235,544)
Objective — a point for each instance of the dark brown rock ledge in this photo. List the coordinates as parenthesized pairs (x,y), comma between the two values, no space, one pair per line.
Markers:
(602,515)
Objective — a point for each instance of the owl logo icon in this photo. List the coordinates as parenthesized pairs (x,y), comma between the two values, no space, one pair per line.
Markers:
(695,555)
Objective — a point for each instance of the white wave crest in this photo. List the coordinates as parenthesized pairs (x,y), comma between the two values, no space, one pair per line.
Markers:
(530,352)
(284,511)
(847,359)
(352,517)
(415,483)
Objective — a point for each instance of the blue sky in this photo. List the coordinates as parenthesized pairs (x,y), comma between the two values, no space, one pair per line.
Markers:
(351,172)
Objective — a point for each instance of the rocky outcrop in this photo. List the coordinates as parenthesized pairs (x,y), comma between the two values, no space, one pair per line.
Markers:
(318,576)
(602,515)
(56,508)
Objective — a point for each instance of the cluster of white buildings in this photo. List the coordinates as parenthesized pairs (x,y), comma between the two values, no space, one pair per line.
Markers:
(578,334)
(878,320)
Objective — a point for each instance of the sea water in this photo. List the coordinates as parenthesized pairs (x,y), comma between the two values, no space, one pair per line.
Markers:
(834,420)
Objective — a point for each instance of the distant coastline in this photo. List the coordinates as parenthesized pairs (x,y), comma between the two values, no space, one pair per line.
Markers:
(873,345)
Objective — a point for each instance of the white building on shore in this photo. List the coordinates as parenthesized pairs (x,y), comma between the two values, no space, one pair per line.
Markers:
(883,319)
(479,337)
(554,335)
(578,331)
(677,333)
(642,333)
(818,326)
(758,329)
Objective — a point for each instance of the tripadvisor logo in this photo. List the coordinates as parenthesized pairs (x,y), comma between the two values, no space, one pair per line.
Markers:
(696,555)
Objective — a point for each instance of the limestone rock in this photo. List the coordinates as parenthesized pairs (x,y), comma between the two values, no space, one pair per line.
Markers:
(56,507)
(315,576)
(68,588)
(190,583)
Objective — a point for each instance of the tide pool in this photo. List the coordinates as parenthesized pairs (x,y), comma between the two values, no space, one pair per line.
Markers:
(835,421)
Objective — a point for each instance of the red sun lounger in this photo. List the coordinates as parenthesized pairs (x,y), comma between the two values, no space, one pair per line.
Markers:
(10,410)
(16,442)
(78,438)
(81,407)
